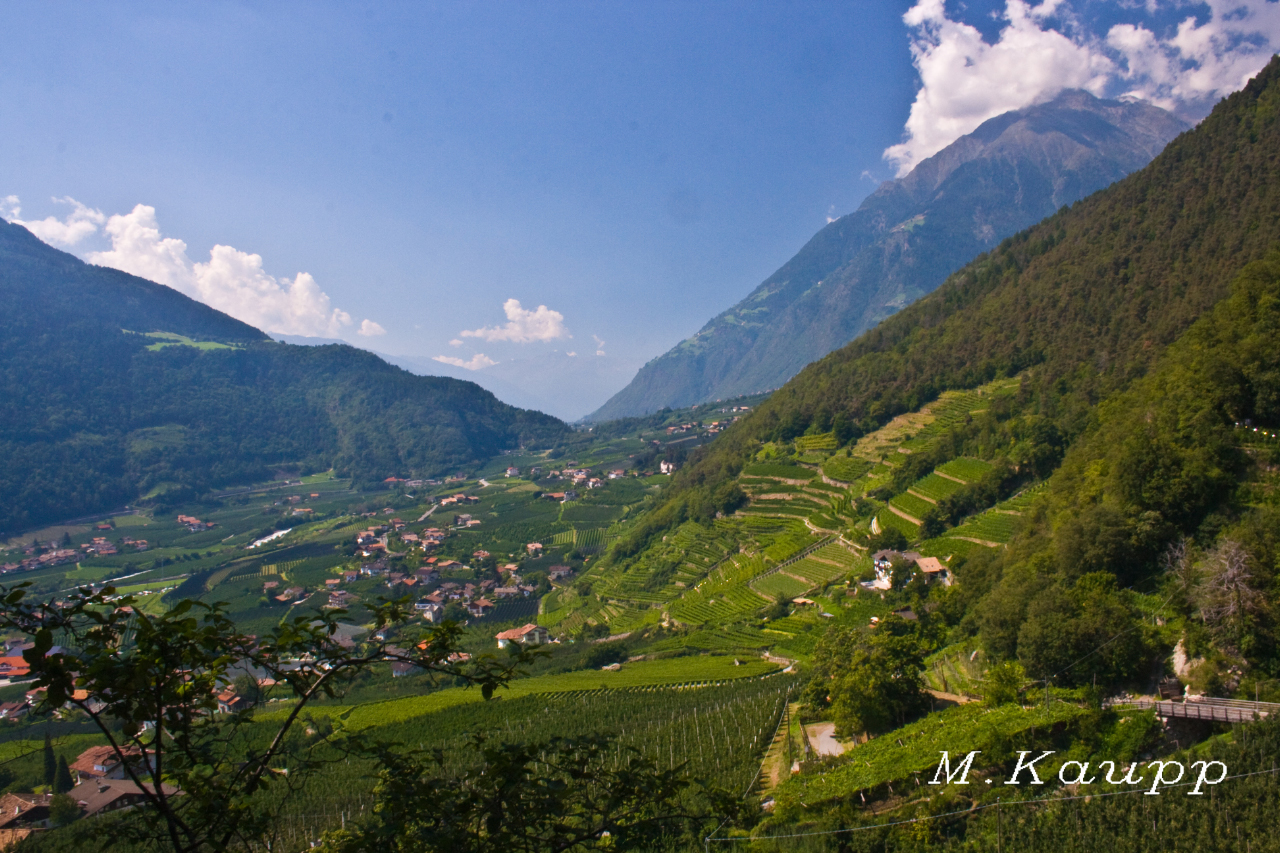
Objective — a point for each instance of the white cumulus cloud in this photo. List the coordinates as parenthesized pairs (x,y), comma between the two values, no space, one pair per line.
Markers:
(599,344)
(81,222)
(232,281)
(477,361)
(1042,49)
(1200,62)
(964,80)
(523,325)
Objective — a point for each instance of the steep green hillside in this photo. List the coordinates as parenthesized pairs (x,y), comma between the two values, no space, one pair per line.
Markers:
(93,414)
(902,243)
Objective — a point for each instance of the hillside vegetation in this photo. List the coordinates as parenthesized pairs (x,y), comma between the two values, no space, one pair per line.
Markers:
(94,415)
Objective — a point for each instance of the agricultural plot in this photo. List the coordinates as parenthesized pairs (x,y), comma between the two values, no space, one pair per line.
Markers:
(683,671)
(823,441)
(891,520)
(723,596)
(945,547)
(965,468)
(990,526)
(594,514)
(816,571)
(936,487)
(845,468)
(779,471)
(779,585)
(719,732)
(1022,501)
(911,505)
(916,431)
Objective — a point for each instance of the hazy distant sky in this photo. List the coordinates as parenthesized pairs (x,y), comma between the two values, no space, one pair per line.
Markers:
(422,177)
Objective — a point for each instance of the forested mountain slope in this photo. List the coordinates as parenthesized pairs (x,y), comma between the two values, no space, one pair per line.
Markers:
(1088,299)
(903,241)
(96,410)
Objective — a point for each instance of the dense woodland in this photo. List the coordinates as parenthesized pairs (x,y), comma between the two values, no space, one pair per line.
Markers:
(97,414)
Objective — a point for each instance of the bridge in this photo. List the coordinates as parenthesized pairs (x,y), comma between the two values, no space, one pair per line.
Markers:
(1208,709)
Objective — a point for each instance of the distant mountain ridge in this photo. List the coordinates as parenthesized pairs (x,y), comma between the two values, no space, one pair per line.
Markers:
(902,242)
(96,411)
(556,383)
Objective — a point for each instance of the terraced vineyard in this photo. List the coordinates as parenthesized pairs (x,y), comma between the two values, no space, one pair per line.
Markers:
(997,526)
(779,471)
(829,563)
(990,526)
(782,585)
(890,520)
(936,487)
(965,468)
(824,441)
(911,505)
(846,469)
(724,596)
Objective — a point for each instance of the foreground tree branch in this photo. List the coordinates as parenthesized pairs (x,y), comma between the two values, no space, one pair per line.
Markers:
(150,684)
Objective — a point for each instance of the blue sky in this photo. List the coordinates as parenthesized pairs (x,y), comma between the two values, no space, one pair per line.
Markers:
(634,167)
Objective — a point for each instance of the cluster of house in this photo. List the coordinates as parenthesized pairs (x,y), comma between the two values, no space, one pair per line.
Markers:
(562,497)
(102,547)
(478,599)
(429,539)
(711,428)
(579,476)
(373,540)
(413,484)
(930,568)
(289,595)
(194,524)
(13,667)
(459,498)
(101,787)
(54,556)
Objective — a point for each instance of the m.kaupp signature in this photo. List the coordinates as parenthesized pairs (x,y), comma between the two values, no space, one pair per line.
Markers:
(1157,772)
